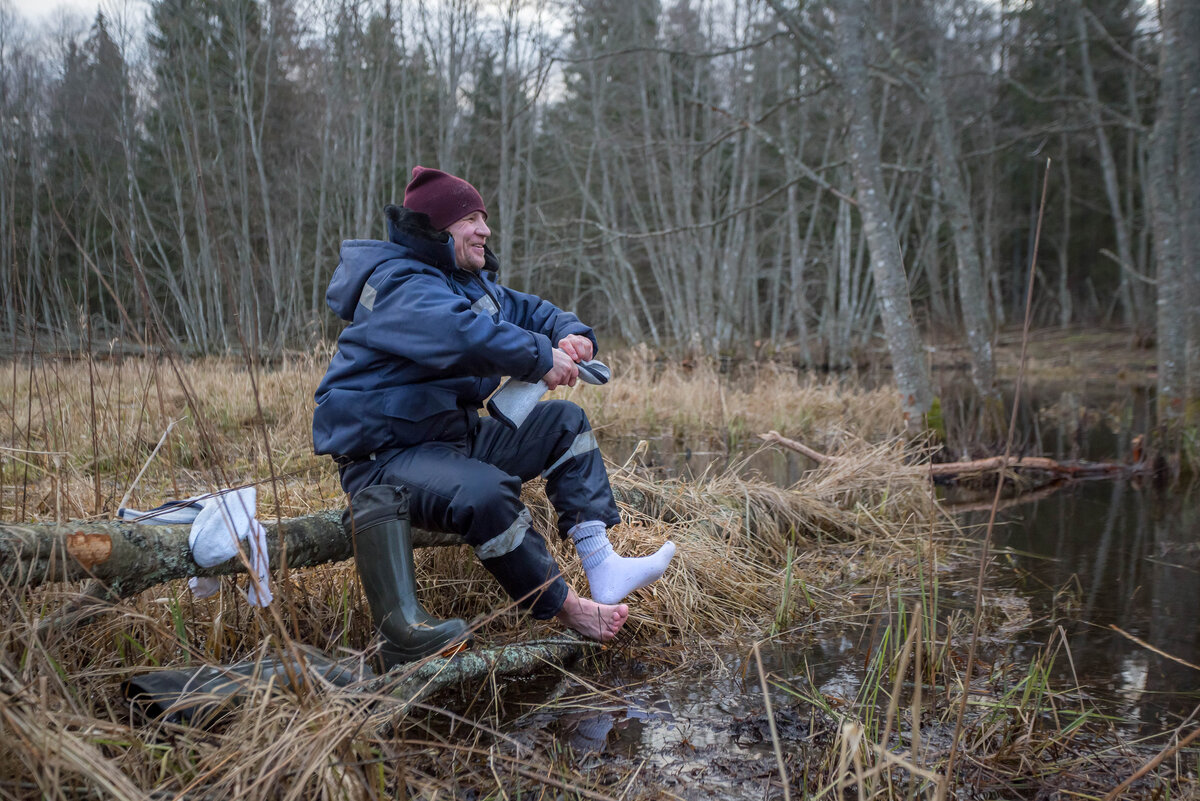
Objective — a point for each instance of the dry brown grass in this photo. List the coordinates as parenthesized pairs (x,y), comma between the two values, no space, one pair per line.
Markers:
(77,434)
(229,424)
(695,397)
(74,435)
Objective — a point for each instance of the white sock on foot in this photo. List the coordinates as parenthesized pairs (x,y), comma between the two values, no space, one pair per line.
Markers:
(612,577)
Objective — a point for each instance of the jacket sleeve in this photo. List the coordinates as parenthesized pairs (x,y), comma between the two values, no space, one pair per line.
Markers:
(534,314)
(420,318)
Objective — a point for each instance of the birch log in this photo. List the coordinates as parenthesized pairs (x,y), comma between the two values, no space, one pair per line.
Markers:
(131,557)
(127,558)
(200,695)
(954,470)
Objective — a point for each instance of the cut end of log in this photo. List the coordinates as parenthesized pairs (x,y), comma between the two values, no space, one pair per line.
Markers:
(89,550)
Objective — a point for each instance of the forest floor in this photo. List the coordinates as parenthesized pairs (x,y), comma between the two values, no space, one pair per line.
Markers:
(1056,353)
(764,572)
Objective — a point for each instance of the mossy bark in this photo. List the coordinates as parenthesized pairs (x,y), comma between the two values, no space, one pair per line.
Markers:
(470,667)
(201,695)
(131,557)
(127,558)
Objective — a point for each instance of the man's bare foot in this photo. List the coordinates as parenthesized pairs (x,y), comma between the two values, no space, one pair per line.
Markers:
(599,622)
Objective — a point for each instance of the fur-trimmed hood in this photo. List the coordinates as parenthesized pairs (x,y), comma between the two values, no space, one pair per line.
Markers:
(410,237)
(405,226)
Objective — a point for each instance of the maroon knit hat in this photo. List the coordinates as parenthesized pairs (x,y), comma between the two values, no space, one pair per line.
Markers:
(445,198)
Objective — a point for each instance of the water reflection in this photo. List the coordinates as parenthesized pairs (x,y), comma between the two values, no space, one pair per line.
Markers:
(1083,418)
(700,728)
(1094,556)
(1100,555)
(589,734)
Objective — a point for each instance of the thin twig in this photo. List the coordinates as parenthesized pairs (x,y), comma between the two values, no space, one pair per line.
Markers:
(1150,647)
(762,679)
(798,447)
(149,459)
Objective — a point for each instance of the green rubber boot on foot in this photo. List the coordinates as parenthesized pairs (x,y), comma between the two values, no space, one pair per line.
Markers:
(378,520)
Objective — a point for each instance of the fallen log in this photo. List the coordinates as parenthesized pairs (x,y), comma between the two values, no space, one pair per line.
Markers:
(126,558)
(470,667)
(947,470)
(200,695)
(1069,469)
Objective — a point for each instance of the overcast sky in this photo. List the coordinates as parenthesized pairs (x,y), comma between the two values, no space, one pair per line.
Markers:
(42,11)
(36,10)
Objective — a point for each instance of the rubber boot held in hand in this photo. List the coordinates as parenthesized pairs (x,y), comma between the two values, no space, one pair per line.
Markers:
(378,520)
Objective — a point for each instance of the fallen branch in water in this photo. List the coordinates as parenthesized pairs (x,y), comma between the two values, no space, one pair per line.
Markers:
(948,470)
(1151,648)
(1072,469)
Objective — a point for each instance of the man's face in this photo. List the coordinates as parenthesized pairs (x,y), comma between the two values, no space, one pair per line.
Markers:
(470,233)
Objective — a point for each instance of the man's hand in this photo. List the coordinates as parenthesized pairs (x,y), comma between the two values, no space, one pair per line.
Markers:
(564,370)
(578,347)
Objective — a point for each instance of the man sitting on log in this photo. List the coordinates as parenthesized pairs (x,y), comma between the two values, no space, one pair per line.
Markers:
(431,334)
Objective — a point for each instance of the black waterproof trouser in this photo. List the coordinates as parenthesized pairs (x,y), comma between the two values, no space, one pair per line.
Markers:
(472,487)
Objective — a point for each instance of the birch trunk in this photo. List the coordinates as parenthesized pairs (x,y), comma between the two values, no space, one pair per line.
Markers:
(1064,250)
(972,292)
(1171,304)
(891,283)
(929,254)
(1188,41)
(1108,168)
(131,557)
(128,558)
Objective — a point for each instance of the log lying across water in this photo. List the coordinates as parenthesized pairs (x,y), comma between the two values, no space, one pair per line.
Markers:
(948,470)
(127,558)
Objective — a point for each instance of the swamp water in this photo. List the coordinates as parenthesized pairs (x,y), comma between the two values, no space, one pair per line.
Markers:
(1094,566)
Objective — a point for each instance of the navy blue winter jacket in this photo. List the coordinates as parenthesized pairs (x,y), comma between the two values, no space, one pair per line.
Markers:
(427,341)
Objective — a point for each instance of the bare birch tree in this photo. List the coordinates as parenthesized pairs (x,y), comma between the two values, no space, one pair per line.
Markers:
(1108,167)
(1165,203)
(972,291)
(1189,179)
(891,283)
